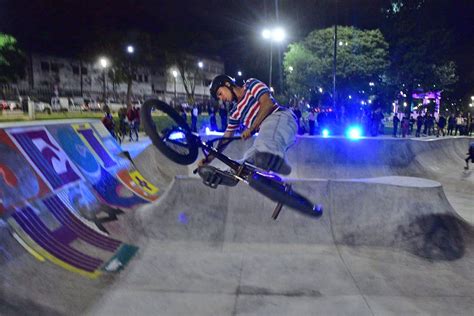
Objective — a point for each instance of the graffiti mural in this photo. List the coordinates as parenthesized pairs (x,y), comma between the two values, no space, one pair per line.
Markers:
(18,180)
(46,156)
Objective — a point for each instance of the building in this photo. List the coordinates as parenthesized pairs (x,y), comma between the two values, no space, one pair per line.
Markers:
(49,76)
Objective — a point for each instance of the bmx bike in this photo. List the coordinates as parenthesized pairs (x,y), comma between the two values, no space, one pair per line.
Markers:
(172,136)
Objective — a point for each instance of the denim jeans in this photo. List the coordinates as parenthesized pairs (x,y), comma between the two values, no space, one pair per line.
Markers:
(277,133)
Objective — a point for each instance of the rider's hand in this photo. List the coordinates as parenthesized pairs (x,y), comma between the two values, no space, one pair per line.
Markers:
(205,161)
(246,134)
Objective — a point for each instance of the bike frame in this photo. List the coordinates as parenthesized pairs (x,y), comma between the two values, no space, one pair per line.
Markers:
(242,169)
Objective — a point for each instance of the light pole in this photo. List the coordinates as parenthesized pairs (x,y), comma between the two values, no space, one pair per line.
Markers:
(175,75)
(130,51)
(275,35)
(201,65)
(104,63)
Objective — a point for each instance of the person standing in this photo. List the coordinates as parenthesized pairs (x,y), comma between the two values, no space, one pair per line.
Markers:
(133,117)
(311,122)
(396,121)
(212,118)
(419,124)
(451,124)
(405,125)
(108,121)
(194,118)
(223,115)
(441,124)
(459,124)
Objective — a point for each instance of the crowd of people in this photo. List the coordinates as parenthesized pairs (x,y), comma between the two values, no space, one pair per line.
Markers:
(128,123)
(428,125)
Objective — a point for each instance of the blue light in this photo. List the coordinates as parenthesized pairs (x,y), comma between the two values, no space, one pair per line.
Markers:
(354,132)
(325,132)
(177,135)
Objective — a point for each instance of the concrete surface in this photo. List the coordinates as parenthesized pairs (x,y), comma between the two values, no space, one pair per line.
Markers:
(396,239)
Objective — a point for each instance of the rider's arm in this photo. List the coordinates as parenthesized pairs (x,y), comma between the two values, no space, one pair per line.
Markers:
(266,107)
(221,145)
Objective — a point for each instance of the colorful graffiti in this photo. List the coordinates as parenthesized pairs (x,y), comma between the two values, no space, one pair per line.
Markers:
(55,179)
(18,180)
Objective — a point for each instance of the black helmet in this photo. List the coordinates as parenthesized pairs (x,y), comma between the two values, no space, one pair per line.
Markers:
(221,81)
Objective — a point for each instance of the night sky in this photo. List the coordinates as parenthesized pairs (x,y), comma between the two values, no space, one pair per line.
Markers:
(230,29)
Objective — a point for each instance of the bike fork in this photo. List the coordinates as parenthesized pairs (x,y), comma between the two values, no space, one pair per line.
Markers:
(279,205)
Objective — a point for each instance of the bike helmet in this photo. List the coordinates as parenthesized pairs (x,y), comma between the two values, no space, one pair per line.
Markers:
(221,81)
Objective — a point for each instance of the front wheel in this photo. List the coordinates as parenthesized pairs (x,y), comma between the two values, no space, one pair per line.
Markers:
(272,187)
(169,132)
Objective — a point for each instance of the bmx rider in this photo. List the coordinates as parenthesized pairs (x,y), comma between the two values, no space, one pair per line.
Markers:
(255,108)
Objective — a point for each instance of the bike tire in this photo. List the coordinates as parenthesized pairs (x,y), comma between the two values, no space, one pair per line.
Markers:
(272,187)
(159,137)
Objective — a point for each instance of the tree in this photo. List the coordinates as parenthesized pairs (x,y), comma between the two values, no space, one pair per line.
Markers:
(420,51)
(124,65)
(12,60)
(188,69)
(362,57)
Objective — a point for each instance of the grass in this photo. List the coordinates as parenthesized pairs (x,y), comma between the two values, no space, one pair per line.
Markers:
(203,120)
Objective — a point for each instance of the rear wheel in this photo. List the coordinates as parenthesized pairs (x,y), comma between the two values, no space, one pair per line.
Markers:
(169,132)
(272,187)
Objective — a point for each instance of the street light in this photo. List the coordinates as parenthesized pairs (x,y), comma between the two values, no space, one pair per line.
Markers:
(201,65)
(239,73)
(175,75)
(130,51)
(104,63)
(277,35)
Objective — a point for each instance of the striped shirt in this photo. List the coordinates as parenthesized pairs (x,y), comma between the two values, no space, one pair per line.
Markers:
(245,111)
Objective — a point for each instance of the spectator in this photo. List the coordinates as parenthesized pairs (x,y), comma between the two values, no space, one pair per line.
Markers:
(376,120)
(182,112)
(441,125)
(396,120)
(419,124)
(412,124)
(321,119)
(194,118)
(212,118)
(405,125)
(297,112)
(459,125)
(471,125)
(451,124)
(133,118)
(430,124)
(311,122)
(122,115)
(108,121)
(223,114)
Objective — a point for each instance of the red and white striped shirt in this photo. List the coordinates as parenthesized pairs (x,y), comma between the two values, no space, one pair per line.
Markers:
(245,111)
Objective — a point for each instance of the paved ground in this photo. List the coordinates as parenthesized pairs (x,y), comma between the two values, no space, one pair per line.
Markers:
(396,239)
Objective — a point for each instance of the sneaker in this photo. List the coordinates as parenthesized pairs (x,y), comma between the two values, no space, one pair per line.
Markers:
(212,177)
(271,162)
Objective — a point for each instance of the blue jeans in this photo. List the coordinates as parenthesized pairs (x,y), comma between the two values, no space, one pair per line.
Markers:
(277,133)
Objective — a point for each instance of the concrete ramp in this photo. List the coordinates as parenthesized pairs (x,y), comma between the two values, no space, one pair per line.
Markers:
(57,177)
(388,245)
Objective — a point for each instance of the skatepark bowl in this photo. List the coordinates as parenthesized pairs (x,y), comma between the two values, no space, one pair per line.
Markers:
(87,230)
